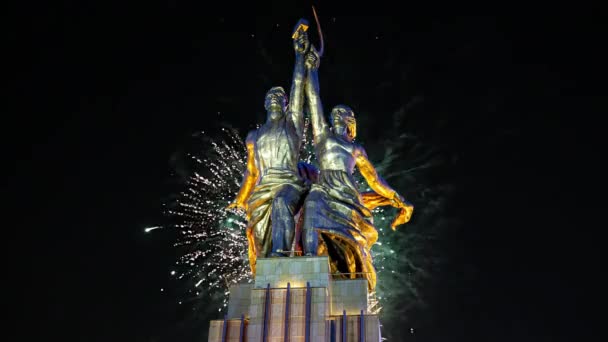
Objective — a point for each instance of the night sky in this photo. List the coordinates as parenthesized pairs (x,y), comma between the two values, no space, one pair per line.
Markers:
(108,92)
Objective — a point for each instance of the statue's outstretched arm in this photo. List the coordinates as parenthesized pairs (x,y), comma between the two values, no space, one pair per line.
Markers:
(250,178)
(296,97)
(372,177)
(317,119)
(383,194)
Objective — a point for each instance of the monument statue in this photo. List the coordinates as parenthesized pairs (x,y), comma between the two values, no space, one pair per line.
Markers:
(324,295)
(272,189)
(337,222)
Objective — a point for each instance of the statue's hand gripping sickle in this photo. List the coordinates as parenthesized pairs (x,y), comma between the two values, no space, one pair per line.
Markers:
(300,30)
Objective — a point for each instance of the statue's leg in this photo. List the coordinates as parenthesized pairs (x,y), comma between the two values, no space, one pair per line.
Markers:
(310,234)
(284,208)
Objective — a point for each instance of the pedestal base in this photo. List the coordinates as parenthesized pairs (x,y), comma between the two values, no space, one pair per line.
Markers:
(296,300)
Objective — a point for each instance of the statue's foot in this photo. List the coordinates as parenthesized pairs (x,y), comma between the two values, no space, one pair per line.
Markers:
(278,253)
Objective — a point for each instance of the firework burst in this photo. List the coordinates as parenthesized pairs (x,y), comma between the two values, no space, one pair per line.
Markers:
(211,241)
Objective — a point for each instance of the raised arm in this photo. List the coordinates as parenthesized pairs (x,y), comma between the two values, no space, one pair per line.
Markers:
(320,129)
(296,97)
(250,178)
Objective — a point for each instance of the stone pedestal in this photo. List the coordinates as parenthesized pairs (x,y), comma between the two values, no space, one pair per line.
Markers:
(297,271)
(349,295)
(296,300)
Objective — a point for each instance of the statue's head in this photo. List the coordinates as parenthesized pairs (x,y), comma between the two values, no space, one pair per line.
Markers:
(343,122)
(275,103)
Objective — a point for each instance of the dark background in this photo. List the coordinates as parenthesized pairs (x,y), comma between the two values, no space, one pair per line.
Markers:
(108,91)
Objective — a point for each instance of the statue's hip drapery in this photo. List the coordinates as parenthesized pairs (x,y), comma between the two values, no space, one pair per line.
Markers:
(278,190)
(346,232)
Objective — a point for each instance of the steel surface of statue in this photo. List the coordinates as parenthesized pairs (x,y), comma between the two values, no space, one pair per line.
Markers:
(337,217)
(272,189)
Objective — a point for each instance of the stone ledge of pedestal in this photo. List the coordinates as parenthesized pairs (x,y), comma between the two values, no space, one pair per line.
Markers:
(297,303)
(233,331)
(239,300)
(296,270)
(319,331)
(297,313)
(349,295)
(353,327)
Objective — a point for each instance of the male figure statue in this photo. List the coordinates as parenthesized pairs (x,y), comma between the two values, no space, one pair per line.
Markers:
(271,192)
